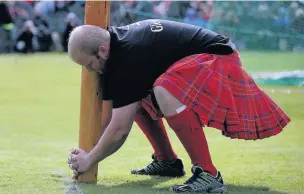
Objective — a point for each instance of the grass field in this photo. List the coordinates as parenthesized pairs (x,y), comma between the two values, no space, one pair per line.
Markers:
(39,116)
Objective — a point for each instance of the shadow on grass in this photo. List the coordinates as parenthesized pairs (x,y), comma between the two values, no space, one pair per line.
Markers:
(251,189)
(149,186)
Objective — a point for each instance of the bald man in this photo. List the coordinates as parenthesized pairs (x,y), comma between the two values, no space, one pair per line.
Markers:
(190,76)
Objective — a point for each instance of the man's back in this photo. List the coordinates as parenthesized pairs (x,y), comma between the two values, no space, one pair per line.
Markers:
(142,51)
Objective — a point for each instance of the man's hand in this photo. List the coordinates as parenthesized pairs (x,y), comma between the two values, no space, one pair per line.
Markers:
(79,161)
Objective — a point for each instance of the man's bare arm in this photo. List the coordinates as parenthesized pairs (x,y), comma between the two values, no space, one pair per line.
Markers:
(115,134)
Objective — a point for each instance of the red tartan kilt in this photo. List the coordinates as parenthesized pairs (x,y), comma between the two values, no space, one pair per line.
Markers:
(224,96)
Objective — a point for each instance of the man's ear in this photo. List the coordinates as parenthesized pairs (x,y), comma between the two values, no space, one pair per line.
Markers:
(103,51)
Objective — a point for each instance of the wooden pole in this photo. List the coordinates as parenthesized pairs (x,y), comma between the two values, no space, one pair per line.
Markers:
(96,13)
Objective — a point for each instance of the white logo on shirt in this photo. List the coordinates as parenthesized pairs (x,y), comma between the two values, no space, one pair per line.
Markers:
(156,26)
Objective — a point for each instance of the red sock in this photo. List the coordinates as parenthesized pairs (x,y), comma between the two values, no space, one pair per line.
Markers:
(189,130)
(156,133)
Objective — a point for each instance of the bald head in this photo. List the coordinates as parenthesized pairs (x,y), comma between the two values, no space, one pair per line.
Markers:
(87,39)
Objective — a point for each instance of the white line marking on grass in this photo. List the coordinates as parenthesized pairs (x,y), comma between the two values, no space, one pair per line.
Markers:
(70,186)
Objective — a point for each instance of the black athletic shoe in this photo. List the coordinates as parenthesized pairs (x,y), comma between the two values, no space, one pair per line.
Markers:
(201,182)
(162,168)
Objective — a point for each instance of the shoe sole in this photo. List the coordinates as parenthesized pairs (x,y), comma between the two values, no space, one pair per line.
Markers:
(222,189)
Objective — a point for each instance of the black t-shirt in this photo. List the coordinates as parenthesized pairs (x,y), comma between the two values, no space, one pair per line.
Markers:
(142,51)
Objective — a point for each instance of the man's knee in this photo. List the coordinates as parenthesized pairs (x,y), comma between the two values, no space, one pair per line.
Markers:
(168,103)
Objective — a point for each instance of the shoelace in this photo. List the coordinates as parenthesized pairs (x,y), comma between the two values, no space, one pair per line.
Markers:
(192,179)
(199,183)
(155,165)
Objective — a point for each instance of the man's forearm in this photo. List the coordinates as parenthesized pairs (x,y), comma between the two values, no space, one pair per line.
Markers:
(108,144)
(115,134)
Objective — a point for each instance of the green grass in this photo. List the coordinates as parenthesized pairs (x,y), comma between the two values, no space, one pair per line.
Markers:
(39,117)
